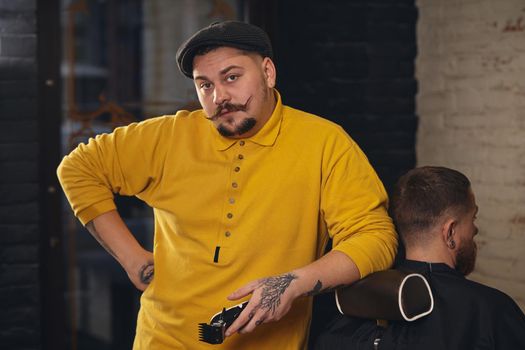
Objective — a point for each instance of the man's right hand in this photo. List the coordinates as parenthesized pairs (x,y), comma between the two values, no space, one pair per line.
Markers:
(112,233)
(141,274)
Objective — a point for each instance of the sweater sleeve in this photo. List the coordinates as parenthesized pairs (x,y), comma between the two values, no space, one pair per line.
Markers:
(122,162)
(354,205)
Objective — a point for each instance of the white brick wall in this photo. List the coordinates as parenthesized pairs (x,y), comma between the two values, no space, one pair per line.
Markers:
(471,105)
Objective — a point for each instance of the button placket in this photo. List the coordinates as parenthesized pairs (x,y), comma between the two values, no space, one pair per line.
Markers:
(233,192)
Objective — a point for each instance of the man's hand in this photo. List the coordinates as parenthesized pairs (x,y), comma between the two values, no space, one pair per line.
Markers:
(113,234)
(141,272)
(272,298)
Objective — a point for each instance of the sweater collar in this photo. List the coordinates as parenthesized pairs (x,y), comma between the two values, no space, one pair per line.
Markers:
(264,137)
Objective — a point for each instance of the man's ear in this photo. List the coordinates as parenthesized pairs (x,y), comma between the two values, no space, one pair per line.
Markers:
(448,233)
(269,71)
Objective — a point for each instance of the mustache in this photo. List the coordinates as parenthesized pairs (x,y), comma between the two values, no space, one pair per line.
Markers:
(230,107)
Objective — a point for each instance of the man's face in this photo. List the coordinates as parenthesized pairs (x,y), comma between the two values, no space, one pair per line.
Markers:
(235,90)
(467,248)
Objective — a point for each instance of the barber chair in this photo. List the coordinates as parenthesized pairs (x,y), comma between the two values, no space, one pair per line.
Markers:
(387,295)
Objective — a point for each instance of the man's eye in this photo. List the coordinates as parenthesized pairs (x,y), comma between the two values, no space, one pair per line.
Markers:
(232,77)
(205,86)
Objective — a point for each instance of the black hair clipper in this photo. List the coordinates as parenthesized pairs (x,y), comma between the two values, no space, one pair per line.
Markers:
(213,333)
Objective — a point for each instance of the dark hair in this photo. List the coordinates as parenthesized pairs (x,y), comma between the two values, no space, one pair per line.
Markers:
(423,195)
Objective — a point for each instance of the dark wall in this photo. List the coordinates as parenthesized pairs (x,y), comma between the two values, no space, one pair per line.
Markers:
(19,190)
(31,289)
(352,62)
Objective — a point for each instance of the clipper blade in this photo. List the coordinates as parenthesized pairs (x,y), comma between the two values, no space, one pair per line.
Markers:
(213,333)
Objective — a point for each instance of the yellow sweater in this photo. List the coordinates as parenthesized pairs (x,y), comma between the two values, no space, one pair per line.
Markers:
(270,202)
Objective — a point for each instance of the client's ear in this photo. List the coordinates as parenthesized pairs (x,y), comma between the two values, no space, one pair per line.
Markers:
(448,233)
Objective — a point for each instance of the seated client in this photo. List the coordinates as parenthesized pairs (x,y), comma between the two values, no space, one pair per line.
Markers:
(434,210)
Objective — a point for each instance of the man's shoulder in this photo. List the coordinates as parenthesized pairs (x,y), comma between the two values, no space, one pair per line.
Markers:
(484,296)
(305,123)
(306,118)
(181,115)
(490,294)
(170,120)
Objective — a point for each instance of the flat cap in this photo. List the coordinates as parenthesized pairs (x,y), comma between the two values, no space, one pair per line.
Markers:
(235,34)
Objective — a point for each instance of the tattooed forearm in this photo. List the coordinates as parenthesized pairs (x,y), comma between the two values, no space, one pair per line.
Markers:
(318,289)
(273,288)
(146,273)
(90,226)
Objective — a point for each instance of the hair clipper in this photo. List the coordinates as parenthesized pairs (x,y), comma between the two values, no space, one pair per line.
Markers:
(213,333)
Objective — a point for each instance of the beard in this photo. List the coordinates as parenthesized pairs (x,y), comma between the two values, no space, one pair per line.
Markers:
(245,126)
(247,123)
(466,258)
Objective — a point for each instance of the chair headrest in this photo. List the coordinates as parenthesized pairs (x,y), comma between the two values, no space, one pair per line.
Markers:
(387,295)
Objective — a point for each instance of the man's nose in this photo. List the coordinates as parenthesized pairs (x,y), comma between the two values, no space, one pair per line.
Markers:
(220,95)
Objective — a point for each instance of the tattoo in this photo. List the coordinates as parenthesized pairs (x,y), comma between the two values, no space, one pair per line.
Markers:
(90,226)
(146,272)
(258,322)
(251,314)
(273,288)
(316,290)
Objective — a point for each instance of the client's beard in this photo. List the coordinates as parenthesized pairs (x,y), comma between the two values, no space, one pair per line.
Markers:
(466,258)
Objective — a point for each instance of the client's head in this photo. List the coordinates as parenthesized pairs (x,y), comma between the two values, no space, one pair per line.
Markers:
(434,210)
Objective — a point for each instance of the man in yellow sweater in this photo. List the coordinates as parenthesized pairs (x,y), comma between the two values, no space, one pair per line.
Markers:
(246,193)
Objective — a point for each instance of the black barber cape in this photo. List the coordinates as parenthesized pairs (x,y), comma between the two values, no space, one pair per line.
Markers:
(467,315)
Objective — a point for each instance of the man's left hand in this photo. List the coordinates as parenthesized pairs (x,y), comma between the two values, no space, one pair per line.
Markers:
(272,298)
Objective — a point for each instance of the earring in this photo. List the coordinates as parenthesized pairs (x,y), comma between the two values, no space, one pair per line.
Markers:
(452,244)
